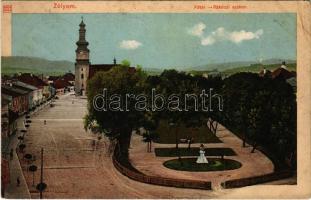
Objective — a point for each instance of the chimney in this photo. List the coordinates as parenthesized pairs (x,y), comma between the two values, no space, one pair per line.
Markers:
(283,65)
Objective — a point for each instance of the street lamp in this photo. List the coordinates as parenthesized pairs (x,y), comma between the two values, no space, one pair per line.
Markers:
(28,158)
(22,147)
(171,124)
(20,138)
(33,168)
(41,186)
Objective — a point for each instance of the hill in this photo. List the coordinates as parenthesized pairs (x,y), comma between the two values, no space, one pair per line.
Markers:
(15,64)
(256,68)
(233,65)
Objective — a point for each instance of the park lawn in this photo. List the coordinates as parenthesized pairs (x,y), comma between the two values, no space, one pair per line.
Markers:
(189,164)
(194,151)
(200,135)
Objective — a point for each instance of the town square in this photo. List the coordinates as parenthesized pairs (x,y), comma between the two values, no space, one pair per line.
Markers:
(181,109)
(73,168)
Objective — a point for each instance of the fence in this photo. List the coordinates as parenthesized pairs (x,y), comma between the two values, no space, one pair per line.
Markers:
(256,179)
(181,183)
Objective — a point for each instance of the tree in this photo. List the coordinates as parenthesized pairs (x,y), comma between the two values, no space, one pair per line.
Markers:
(238,91)
(22,147)
(175,86)
(33,169)
(148,137)
(118,123)
(263,111)
(214,114)
(178,83)
(125,63)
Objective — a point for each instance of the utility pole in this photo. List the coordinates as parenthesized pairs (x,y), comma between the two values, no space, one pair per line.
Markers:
(41,186)
(41,176)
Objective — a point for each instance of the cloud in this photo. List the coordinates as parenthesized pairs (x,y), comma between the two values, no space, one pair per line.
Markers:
(130,44)
(239,36)
(197,30)
(221,34)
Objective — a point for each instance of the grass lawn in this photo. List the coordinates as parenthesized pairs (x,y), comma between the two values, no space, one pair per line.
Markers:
(189,164)
(200,135)
(173,152)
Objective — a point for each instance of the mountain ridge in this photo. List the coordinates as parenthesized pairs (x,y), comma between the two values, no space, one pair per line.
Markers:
(36,65)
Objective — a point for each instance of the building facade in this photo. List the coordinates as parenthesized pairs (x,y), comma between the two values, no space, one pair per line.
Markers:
(84,70)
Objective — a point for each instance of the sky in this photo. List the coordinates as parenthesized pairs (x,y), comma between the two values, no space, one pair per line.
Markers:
(158,40)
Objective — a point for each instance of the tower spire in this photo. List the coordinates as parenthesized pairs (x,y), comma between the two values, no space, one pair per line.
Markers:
(82,43)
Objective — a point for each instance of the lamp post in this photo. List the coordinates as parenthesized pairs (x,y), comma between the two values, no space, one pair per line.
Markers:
(20,138)
(22,147)
(33,168)
(28,158)
(41,186)
(171,124)
(176,138)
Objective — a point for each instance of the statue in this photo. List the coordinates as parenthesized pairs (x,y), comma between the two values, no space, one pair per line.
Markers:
(202,158)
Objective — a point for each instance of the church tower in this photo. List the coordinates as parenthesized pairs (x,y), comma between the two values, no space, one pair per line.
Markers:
(82,64)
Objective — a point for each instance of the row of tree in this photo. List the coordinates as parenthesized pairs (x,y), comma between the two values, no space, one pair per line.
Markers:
(260,110)
(263,111)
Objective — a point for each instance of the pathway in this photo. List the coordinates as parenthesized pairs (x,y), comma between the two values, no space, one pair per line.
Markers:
(13,191)
(253,164)
(73,169)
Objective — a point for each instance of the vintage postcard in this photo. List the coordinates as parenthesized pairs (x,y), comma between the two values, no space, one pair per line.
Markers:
(163,99)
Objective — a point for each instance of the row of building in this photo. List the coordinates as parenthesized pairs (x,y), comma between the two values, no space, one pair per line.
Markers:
(24,92)
(21,94)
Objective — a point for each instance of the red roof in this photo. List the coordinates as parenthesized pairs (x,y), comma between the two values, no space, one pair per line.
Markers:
(261,73)
(105,67)
(32,80)
(101,67)
(53,78)
(61,83)
(282,73)
(69,77)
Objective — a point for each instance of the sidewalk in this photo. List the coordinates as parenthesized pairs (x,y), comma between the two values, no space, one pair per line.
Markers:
(253,164)
(13,191)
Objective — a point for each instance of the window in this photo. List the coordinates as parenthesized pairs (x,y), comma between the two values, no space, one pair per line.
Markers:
(82,76)
(81,69)
(82,85)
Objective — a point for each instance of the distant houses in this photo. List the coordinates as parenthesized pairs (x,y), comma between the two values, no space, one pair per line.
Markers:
(23,93)
(31,79)
(281,73)
(62,86)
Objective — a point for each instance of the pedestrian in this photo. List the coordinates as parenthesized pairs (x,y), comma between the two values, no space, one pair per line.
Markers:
(18,182)
(11,154)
